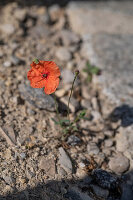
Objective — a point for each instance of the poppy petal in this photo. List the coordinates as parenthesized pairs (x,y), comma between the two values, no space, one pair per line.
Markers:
(36,80)
(32,73)
(51,85)
(52,68)
(38,84)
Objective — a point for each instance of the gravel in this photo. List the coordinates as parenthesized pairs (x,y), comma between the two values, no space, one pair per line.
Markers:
(36,158)
(119,163)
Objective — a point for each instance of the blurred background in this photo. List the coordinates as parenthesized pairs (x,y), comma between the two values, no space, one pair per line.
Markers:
(96,38)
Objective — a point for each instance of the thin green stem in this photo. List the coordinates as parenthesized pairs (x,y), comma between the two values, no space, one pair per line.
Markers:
(68,111)
(76,119)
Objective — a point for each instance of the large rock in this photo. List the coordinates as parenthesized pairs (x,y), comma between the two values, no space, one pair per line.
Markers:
(37,97)
(113,54)
(107,33)
(95,17)
(65,161)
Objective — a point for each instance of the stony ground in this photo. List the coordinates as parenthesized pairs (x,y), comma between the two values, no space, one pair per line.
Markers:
(36,160)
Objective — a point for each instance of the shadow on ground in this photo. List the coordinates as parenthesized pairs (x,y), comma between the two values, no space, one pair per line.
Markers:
(123,113)
(99,185)
(46,2)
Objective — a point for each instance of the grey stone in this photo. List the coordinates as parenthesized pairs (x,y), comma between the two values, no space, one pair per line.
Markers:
(105,179)
(39,31)
(68,37)
(9,131)
(22,155)
(109,133)
(73,140)
(8,154)
(7,64)
(48,165)
(80,173)
(106,151)
(20,14)
(7,29)
(14,45)
(110,50)
(86,50)
(92,149)
(15,60)
(37,97)
(63,54)
(54,12)
(96,115)
(100,192)
(30,111)
(100,158)
(108,143)
(1,54)
(94,17)
(8,179)
(29,174)
(108,47)
(119,163)
(67,76)
(61,171)
(65,161)
(124,143)
(123,139)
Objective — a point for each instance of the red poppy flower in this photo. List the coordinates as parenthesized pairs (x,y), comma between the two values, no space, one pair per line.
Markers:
(44,74)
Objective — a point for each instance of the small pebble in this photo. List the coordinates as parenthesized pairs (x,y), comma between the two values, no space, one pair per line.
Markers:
(108,143)
(23,156)
(119,163)
(73,140)
(92,149)
(63,54)
(81,165)
(109,133)
(60,93)
(7,64)
(48,165)
(1,54)
(67,76)
(15,60)
(8,179)
(7,29)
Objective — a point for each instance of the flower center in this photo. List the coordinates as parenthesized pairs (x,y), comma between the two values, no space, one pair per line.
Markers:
(44,75)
